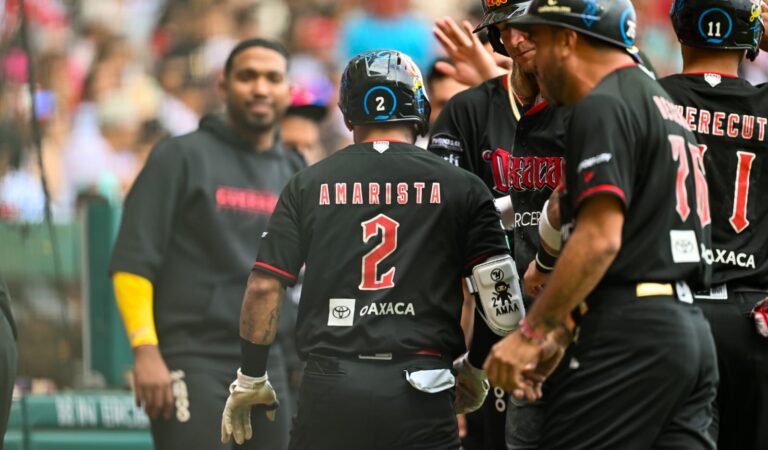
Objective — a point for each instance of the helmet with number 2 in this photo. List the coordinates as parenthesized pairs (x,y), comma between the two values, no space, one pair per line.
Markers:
(382,86)
(719,24)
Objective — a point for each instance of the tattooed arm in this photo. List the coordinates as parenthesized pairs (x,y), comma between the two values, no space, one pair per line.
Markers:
(258,327)
(261,308)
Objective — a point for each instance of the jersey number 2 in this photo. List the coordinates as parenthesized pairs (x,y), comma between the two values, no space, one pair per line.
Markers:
(371,280)
(679,154)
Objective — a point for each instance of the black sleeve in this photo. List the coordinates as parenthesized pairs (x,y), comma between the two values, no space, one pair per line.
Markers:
(485,236)
(280,251)
(453,138)
(149,212)
(599,150)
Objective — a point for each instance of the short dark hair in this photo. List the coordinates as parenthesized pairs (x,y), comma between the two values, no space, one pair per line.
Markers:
(254,42)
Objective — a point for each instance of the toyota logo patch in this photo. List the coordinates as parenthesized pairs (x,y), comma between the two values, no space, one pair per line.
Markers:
(341,312)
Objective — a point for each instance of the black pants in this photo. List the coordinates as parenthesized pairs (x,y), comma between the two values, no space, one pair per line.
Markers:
(352,404)
(201,388)
(642,375)
(8,364)
(742,399)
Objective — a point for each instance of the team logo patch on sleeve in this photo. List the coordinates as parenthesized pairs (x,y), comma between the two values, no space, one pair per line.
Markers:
(446,142)
(341,312)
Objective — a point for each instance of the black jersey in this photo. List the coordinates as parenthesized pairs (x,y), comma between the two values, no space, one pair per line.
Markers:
(730,117)
(626,139)
(536,167)
(386,239)
(191,226)
(476,130)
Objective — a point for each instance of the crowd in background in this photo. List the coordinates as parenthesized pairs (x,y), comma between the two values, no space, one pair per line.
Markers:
(113,77)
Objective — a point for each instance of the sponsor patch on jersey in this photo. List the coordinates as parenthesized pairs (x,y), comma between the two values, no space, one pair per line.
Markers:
(341,312)
(713,79)
(446,142)
(388,309)
(381,146)
(685,247)
(589,163)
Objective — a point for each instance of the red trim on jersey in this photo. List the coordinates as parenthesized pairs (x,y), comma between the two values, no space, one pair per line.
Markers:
(274,269)
(477,260)
(602,188)
(429,352)
(536,108)
(386,140)
(727,75)
(504,81)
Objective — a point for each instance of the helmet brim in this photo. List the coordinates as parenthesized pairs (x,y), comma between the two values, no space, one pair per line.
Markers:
(525,22)
(502,15)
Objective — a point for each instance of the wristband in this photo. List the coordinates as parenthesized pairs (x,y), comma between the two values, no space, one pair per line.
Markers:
(547,233)
(253,358)
(545,262)
(527,331)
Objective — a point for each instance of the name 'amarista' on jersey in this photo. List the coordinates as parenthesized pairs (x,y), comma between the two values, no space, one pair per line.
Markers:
(378,193)
(386,231)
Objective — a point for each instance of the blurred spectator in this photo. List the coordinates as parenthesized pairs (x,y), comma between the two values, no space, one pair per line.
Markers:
(441,88)
(300,127)
(103,160)
(183,79)
(387,24)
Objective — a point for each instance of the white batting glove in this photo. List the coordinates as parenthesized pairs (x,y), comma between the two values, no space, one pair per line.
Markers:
(244,393)
(472,386)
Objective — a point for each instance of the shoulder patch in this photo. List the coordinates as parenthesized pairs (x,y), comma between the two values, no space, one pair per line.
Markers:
(446,142)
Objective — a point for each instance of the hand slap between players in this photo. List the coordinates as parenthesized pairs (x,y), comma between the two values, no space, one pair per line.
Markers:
(520,365)
(473,62)
(244,393)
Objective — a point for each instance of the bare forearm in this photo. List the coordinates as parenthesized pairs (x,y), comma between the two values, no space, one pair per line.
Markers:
(591,249)
(261,309)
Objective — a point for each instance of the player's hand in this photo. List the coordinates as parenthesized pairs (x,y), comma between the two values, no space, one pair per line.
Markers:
(551,355)
(471,386)
(764,43)
(517,364)
(473,62)
(244,393)
(152,382)
(534,280)
(461,420)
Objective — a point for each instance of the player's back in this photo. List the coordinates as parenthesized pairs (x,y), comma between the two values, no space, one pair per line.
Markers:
(387,230)
(626,139)
(729,117)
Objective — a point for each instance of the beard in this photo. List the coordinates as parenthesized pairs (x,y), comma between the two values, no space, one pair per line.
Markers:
(250,122)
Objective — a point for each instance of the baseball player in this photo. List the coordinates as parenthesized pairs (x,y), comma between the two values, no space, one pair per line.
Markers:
(190,230)
(729,117)
(506,133)
(8,357)
(385,239)
(642,372)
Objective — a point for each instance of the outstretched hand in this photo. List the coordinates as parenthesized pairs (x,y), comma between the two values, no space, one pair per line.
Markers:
(473,62)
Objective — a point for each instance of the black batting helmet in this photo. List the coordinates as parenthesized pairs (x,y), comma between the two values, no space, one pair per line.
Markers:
(611,21)
(719,24)
(384,86)
(497,11)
